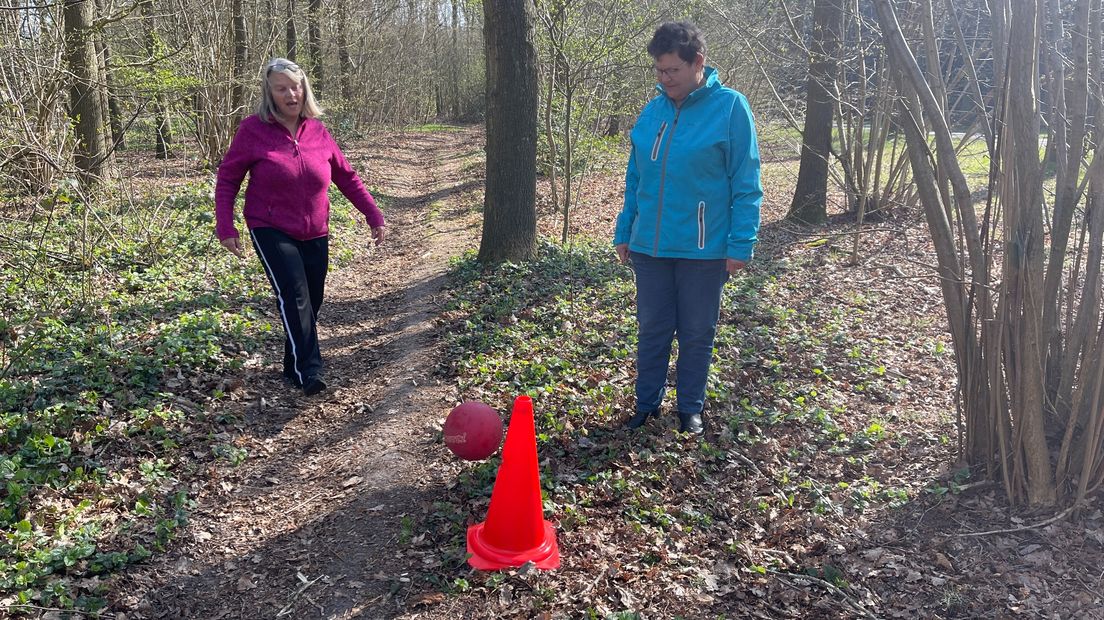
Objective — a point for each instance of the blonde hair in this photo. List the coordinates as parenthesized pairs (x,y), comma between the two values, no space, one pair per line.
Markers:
(266,108)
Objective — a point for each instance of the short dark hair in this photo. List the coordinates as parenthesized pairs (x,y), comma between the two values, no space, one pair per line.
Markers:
(683,38)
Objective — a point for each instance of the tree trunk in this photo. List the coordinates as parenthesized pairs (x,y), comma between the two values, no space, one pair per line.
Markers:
(974,376)
(810,198)
(1002,383)
(161,122)
(86,103)
(1069,139)
(291,37)
(237,92)
(550,137)
(314,44)
(269,22)
(343,57)
(1080,364)
(163,128)
(113,132)
(1024,252)
(454,62)
(569,161)
(509,208)
(439,69)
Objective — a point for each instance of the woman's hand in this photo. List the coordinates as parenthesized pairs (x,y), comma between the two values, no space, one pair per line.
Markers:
(379,234)
(233,245)
(622,250)
(734,265)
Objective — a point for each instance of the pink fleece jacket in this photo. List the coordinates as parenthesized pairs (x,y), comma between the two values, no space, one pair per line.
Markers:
(288,180)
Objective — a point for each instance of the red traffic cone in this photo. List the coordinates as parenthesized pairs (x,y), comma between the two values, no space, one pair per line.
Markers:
(515,531)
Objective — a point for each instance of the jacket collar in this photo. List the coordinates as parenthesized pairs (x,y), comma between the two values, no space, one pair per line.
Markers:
(712,83)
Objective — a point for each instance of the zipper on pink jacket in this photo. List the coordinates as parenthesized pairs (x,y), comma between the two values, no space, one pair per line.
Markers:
(299,157)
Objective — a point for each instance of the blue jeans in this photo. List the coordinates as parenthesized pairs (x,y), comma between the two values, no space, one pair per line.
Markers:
(675,296)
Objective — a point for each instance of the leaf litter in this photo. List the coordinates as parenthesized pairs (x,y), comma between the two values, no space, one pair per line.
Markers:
(821,489)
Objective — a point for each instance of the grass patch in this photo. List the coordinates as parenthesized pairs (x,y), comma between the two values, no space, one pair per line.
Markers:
(544,328)
(433,128)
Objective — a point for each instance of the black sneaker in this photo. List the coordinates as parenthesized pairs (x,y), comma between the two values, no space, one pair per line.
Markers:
(691,423)
(292,381)
(313,386)
(639,418)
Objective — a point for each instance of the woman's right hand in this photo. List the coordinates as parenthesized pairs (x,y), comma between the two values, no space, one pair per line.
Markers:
(622,250)
(233,245)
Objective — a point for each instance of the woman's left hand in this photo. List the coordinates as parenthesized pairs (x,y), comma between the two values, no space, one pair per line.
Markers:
(379,234)
(734,265)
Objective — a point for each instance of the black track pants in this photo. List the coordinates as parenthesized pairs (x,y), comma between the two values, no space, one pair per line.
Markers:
(297,271)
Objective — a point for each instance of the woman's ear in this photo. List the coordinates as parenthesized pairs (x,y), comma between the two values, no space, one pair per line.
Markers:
(699,61)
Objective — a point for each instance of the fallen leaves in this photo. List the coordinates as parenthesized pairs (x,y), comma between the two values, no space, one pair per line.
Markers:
(427,599)
(832,382)
(245,583)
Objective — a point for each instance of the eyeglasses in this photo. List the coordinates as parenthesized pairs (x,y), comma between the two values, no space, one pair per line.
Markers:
(667,72)
(283,66)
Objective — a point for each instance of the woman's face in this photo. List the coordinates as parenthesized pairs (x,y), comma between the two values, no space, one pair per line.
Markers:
(287,94)
(678,77)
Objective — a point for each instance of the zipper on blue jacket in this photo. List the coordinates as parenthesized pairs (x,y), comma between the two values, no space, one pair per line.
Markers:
(658,140)
(663,175)
(701,225)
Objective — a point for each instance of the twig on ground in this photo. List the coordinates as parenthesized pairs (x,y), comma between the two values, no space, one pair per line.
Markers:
(1057,517)
(848,600)
(786,557)
(818,235)
(398,449)
(321,609)
(305,502)
(895,269)
(885,278)
(746,461)
(959,488)
(80,614)
(592,584)
(294,597)
(916,527)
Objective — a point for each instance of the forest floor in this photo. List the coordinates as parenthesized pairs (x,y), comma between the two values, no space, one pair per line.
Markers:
(825,485)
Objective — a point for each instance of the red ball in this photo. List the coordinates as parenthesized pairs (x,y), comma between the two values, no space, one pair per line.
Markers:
(473,431)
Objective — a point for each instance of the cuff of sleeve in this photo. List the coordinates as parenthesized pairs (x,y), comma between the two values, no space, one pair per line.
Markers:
(740,250)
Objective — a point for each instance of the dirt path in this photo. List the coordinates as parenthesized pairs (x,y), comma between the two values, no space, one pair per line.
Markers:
(308,525)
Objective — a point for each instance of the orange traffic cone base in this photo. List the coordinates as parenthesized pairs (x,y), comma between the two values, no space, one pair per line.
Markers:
(484,556)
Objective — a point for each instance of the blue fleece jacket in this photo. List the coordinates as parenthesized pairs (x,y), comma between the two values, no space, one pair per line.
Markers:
(692,186)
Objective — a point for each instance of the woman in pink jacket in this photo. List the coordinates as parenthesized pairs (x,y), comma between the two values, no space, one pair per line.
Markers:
(291,159)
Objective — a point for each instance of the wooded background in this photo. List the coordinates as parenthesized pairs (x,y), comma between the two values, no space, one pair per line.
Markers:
(982,114)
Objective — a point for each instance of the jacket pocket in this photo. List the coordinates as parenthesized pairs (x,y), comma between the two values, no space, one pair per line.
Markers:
(701,225)
(658,140)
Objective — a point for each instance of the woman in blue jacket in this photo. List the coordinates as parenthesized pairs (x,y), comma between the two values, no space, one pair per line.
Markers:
(690,218)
